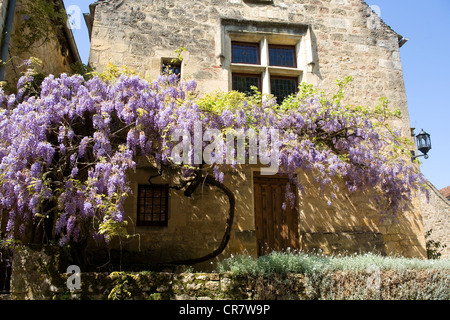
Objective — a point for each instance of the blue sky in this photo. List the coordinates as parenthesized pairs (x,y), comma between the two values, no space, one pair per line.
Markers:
(426,68)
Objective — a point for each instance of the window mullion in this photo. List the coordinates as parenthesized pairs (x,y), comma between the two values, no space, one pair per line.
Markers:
(264,45)
(265,63)
(266,81)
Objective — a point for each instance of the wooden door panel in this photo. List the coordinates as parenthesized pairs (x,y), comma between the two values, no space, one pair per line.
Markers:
(276,230)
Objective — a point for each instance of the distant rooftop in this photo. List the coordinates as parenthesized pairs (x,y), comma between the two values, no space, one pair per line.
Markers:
(446,192)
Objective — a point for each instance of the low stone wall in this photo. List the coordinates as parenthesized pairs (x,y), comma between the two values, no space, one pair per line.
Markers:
(36,276)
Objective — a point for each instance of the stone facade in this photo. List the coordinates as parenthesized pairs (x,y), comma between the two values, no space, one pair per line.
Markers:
(3,7)
(57,53)
(333,39)
(436,217)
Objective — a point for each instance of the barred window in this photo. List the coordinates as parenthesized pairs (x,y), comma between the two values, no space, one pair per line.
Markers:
(153,205)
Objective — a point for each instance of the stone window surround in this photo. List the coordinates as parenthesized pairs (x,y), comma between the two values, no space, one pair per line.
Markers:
(172,63)
(266,33)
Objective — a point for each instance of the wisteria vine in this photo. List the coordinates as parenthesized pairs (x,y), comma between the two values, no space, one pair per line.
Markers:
(65,154)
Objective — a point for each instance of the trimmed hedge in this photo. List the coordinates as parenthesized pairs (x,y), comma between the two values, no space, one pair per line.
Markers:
(355,277)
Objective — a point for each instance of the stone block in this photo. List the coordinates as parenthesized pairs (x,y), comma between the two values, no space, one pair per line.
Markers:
(212,285)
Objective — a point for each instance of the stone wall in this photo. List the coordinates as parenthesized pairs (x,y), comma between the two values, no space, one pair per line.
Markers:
(337,38)
(352,224)
(3,8)
(37,276)
(54,52)
(346,38)
(436,217)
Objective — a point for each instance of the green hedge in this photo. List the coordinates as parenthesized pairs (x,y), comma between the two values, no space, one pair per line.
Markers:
(353,277)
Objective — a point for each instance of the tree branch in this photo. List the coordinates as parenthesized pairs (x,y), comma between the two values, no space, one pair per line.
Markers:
(226,237)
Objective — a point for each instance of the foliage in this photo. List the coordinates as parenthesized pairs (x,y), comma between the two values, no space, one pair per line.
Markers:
(40,22)
(82,69)
(113,72)
(348,277)
(292,261)
(433,247)
(65,152)
(179,54)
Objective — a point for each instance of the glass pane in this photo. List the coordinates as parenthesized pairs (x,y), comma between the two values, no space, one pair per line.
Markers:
(157,193)
(282,56)
(243,83)
(245,53)
(152,208)
(283,87)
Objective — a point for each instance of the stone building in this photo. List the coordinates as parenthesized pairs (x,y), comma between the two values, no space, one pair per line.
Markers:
(275,45)
(57,52)
(51,43)
(436,217)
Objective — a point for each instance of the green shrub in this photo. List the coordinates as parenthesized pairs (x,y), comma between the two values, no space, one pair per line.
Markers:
(307,263)
(353,277)
(433,247)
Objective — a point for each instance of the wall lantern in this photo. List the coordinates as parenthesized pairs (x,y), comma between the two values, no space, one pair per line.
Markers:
(423,144)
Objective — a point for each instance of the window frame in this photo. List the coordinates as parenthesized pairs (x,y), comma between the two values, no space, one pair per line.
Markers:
(171,63)
(279,46)
(250,44)
(283,78)
(253,75)
(140,217)
(264,41)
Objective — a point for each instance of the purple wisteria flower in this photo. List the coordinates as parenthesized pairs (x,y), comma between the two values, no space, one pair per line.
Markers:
(78,140)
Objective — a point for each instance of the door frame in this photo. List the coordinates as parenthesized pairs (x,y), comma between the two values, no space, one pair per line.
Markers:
(260,249)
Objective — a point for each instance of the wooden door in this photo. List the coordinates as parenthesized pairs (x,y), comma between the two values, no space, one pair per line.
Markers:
(276,229)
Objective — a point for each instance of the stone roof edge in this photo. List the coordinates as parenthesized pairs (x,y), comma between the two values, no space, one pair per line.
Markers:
(399,36)
(89,17)
(438,193)
(69,36)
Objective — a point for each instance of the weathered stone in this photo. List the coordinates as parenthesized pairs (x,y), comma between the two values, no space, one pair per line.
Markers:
(184,297)
(336,39)
(194,286)
(436,217)
(212,285)
(340,285)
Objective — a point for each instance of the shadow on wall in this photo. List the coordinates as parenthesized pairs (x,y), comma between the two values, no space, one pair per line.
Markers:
(436,217)
(352,224)
(196,225)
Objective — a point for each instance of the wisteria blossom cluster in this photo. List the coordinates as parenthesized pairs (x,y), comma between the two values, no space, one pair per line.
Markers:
(65,154)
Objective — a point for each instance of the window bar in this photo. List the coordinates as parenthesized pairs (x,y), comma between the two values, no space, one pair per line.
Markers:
(160,206)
